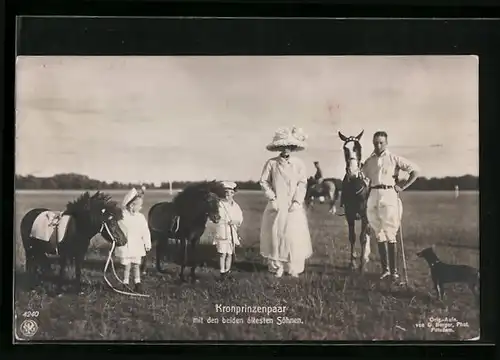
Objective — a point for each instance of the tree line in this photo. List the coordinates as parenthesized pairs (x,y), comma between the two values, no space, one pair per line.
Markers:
(73,181)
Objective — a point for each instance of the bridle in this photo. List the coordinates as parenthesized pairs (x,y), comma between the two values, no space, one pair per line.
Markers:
(357,158)
(104,226)
(211,198)
(359,175)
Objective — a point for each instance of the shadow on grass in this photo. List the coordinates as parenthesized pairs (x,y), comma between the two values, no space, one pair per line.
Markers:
(239,265)
(24,282)
(342,270)
(213,264)
(405,292)
(207,257)
(367,281)
(44,283)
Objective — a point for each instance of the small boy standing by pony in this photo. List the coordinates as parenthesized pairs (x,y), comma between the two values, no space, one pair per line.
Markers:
(226,230)
(135,227)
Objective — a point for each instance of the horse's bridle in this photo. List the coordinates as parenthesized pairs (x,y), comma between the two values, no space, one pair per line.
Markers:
(348,140)
(212,196)
(360,175)
(104,225)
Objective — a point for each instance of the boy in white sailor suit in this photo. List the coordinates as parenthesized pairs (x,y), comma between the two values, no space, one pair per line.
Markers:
(226,230)
(135,227)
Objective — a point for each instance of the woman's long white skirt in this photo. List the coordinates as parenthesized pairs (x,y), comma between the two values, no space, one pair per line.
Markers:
(285,239)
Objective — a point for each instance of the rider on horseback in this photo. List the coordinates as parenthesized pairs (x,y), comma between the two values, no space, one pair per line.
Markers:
(319,173)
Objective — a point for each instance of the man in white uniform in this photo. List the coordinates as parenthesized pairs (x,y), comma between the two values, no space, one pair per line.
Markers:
(384,208)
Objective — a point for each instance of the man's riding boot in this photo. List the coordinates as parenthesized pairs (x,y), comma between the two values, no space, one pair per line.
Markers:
(393,251)
(384,259)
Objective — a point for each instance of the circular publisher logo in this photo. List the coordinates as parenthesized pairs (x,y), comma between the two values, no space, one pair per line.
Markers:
(29,327)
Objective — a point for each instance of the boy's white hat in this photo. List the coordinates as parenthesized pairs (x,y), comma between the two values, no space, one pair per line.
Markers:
(229,185)
(132,194)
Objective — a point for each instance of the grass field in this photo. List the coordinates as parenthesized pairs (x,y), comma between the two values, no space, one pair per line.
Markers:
(331,302)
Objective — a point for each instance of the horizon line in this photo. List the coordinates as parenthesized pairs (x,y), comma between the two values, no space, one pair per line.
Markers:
(172,181)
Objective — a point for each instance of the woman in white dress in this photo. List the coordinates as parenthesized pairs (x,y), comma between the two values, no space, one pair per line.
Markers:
(285,240)
(226,230)
(135,227)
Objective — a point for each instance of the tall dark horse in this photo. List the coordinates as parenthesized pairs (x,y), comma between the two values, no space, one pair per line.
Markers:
(83,219)
(329,189)
(185,219)
(354,197)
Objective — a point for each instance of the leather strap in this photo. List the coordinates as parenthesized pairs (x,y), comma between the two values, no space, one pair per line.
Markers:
(385,187)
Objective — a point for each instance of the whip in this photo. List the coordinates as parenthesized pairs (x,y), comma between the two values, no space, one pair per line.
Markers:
(401,236)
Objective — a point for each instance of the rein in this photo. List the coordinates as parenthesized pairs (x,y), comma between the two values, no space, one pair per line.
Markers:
(108,261)
(362,178)
(360,173)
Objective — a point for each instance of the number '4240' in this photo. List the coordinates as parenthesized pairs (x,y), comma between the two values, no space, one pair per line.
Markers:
(32,314)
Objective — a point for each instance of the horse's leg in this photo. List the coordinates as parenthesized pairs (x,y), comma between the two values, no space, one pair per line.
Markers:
(30,259)
(46,264)
(143,266)
(79,258)
(333,199)
(352,240)
(31,268)
(193,259)
(63,260)
(364,239)
(159,255)
(184,244)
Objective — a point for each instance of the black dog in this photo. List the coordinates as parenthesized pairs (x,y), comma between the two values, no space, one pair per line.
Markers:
(442,273)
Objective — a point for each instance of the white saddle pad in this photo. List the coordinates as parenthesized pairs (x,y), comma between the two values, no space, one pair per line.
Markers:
(45,225)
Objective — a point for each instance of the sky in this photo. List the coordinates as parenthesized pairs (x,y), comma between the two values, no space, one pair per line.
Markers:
(153,119)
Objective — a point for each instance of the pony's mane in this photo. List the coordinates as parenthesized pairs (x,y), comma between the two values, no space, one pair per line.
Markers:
(95,203)
(197,190)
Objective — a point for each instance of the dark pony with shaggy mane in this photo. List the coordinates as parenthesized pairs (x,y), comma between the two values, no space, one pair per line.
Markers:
(88,215)
(184,219)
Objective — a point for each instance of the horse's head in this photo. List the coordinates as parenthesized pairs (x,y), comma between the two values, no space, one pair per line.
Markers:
(200,200)
(212,207)
(98,214)
(215,194)
(110,230)
(352,153)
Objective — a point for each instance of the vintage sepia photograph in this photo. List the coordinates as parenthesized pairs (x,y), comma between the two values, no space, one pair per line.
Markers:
(162,198)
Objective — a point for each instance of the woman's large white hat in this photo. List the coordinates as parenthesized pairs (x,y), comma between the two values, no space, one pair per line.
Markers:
(132,194)
(288,137)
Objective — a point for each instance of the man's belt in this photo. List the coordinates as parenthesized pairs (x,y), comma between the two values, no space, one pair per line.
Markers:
(385,187)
